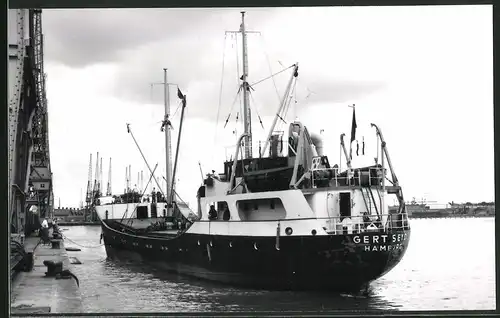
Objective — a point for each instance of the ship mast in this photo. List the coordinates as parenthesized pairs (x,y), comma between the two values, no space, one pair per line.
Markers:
(247,115)
(168,142)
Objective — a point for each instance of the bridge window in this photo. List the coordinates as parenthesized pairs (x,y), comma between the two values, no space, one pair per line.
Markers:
(261,209)
(222,209)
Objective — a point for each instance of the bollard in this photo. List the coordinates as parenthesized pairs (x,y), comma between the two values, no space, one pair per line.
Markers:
(56,244)
(53,268)
(29,262)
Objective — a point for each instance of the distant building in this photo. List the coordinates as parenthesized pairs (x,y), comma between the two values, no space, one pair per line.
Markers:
(69,214)
(470,209)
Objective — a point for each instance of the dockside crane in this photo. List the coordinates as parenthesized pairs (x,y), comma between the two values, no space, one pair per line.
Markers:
(101,183)
(89,197)
(108,189)
(96,178)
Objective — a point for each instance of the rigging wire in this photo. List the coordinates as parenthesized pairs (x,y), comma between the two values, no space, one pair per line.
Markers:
(269,66)
(232,107)
(221,87)
(178,107)
(272,76)
(294,92)
(283,114)
(256,111)
(289,101)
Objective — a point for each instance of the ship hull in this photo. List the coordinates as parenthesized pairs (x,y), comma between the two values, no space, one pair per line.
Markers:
(329,262)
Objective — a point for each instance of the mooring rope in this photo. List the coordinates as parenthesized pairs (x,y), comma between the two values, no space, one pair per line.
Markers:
(67,238)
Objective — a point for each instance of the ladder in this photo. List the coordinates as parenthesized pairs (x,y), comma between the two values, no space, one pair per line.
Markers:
(369,200)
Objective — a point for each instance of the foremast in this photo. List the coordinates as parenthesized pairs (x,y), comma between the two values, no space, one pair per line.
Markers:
(168,143)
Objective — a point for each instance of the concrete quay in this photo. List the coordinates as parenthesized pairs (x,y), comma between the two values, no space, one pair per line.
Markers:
(33,293)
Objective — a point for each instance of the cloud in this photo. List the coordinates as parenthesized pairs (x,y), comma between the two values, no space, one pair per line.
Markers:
(78,38)
(427,85)
(140,43)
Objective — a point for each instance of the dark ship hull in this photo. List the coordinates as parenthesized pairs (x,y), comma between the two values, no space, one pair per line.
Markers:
(345,262)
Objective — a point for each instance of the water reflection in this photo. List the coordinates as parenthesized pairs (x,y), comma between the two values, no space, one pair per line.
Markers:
(204,295)
(430,277)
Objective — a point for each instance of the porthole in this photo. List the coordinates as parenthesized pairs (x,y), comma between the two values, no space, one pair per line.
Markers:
(313,232)
(288,231)
(255,246)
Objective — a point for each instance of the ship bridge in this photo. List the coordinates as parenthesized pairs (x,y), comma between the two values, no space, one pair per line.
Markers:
(30,195)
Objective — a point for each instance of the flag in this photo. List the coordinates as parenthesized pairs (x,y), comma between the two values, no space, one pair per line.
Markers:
(179,93)
(354,126)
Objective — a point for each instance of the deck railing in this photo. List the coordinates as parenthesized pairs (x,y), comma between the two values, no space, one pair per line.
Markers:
(340,224)
(257,145)
(371,223)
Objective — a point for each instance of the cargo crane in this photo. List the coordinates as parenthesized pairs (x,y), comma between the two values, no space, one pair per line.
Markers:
(100,179)
(89,198)
(96,191)
(108,189)
(30,196)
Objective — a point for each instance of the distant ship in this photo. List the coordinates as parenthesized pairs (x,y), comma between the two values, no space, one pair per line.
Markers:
(284,219)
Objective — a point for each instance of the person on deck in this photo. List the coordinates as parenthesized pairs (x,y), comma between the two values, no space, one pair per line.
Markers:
(226,216)
(153,195)
(212,213)
(366,219)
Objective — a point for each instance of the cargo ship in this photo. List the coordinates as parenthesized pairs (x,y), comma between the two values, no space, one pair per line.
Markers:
(284,218)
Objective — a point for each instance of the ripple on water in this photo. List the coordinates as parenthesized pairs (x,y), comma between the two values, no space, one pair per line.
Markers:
(431,276)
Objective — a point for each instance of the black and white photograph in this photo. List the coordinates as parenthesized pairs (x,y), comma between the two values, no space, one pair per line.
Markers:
(279,159)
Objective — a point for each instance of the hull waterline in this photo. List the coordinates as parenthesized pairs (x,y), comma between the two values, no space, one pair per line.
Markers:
(335,262)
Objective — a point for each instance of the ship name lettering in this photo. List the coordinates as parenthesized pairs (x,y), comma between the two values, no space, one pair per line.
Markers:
(381,243)
(383,248)
(377,239)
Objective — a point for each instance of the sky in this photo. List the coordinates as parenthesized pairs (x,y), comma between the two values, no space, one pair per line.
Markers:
(423,74)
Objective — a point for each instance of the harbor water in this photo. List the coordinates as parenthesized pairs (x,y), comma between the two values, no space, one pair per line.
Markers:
(449,265)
